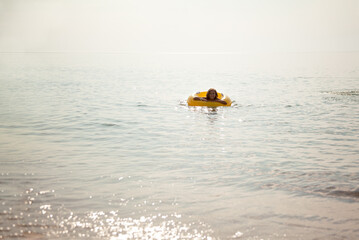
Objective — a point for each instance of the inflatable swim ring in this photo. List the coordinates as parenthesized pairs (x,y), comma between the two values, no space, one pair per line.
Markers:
(221,96)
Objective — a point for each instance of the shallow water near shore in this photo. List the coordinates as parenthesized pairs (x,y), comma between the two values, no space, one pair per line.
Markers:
(103,146)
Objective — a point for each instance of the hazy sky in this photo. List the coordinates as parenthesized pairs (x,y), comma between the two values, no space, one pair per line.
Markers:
(179,25)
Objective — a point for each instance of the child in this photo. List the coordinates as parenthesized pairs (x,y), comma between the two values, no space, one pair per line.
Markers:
(212,96)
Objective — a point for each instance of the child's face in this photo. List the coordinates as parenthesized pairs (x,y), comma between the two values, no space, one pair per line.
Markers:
(212,95)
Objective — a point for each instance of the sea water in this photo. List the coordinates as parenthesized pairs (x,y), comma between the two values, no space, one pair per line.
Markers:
(103,146)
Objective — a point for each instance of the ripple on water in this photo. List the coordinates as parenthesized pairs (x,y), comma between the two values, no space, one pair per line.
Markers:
(324,184)
(346,93)
(31,215)
(102,225)
(346,96)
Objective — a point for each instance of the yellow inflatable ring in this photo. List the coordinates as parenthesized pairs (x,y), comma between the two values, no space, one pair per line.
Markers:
(221,96)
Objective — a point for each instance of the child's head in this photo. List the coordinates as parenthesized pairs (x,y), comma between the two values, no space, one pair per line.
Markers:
(211,94)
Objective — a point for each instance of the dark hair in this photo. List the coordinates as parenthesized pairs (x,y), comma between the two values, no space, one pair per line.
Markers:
(211,89)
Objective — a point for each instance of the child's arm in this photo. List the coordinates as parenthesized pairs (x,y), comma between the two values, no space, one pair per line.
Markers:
(199,99)
(221,101)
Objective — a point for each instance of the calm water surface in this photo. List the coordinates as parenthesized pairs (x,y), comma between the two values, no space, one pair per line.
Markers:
(103,146)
